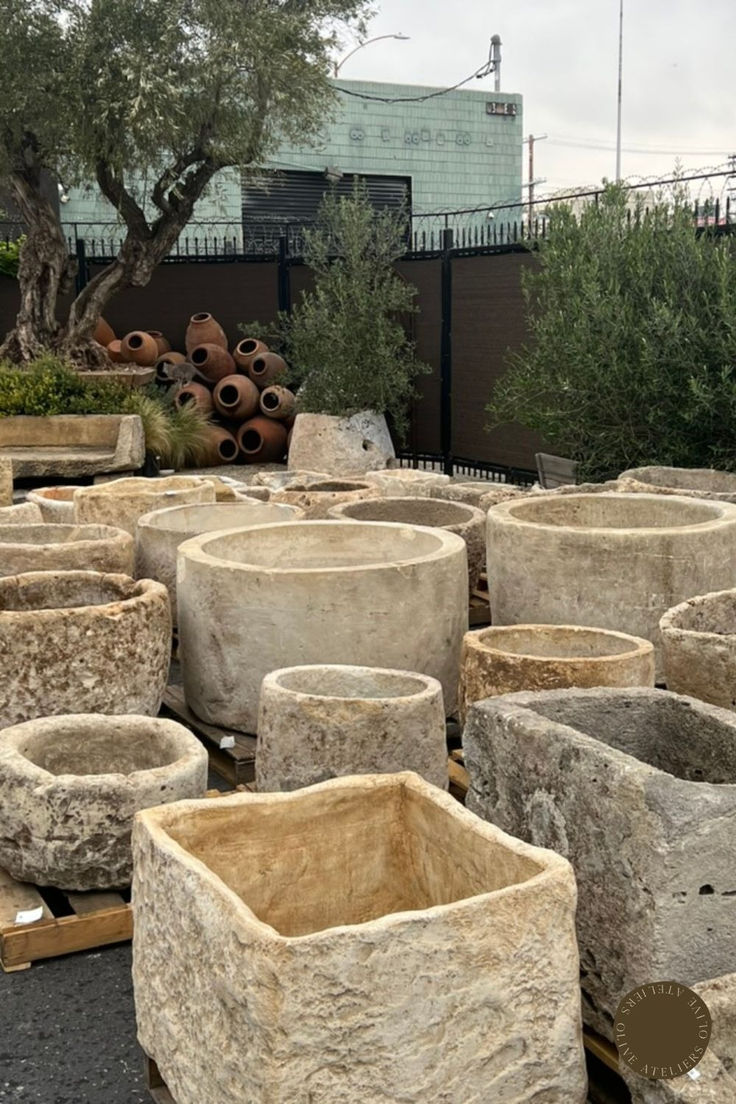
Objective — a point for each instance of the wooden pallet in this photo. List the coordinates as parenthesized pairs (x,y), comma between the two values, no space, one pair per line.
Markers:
(237,764)
(155,1083)
(479,611)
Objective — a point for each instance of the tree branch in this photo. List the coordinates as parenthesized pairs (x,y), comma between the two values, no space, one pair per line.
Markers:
(114,190)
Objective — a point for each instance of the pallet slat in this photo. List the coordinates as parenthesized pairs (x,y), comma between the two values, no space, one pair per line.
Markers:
(238,763)
(49,938)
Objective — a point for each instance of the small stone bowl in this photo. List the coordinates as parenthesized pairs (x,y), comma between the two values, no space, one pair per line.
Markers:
(315,499)
(71,785)
(55,503)
(699,648)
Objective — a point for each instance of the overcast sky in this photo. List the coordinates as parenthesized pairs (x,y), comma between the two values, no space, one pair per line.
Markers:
(679,75)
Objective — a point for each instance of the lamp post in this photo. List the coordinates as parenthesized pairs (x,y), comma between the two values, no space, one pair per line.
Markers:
(620,69)
(339,64)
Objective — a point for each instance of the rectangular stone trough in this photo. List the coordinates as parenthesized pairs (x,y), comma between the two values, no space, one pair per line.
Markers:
(72,444)
(637,788)
(363,940)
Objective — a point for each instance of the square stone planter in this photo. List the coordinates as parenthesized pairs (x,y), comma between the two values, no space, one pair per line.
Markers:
(363,940)
(637,788)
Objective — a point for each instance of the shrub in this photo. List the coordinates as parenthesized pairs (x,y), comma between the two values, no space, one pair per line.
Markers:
(632,351)
(10,257)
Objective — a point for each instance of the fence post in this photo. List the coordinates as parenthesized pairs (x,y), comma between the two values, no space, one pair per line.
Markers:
(446,352)
(82,278)
(284,279)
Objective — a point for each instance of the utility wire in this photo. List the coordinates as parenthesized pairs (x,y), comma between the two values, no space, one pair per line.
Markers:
(483,71)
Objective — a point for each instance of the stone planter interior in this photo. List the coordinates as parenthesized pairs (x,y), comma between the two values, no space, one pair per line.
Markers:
(699,646)
(376,885)
(316,498)
(55,503)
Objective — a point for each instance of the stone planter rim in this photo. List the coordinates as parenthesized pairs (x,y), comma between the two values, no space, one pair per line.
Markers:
(522,703)
(469,513)
(668,619)
(157,819)
(427,687)
(13,734)
(141,590)
(156,519)
(194,548)
(640,475)
(504,513)
(640,645)
(101,532)
(161,487)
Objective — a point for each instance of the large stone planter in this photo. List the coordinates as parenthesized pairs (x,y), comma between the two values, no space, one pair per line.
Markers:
(317,499)
(455,517)
(323,721)
(284,479)
(638,789)
(615,561)
(698,482)
(161,532)
(6,482)
(340,446)
(506,658)
(407,482)
(70,787)
(699,648)
(55,503)
(38,547)
(332,917)
(274,596)
(23,513)
(122,501)
(80,640)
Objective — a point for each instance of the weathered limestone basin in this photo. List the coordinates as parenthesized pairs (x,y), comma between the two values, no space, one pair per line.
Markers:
(55,503)
(341,446)
(71,785)
(616,561)
(699,648)
(406,482)
(84,641)
(698,482)
(505,658)
(122,501)
(455,517)
(37,547)
(376,595)
(283,479)
(161,532)
(329,915)
(317,498)
(6,482)
(473,491)
(326,720)
(637,788)
(23,513)
(717,1069)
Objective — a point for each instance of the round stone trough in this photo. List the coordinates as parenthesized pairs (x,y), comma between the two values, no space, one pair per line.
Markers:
(122,501)
(39,547)
(699,647)
(71,785)
(503,659)
(695,482)
(22,513)
(375,594)
(82,641)
(161,532)
(615,561)
(326,720)
(317,498)
(403,482)
(455,517)
(55,503)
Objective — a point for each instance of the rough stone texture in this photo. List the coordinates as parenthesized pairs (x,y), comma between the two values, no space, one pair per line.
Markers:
(226,490)
(70,787)
(316,499)
(407,482)
(70,445)
(614,561)
(254,494)
(82,641)
(696,482)
(506,658)
(317,722)
(367,940)
(578,488)
(455,517)
(6,482)
(340,446)
(474,491)
(717,1081)
(37,547)
(637,788)
(23,513)
(122,501)
(499,494)
(373,595)
(55,503)
(699,648)
(161,532)
(282,480)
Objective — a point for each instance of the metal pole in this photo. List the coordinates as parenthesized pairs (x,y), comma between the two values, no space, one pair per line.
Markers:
(620,72)
(446,353)
(531,180)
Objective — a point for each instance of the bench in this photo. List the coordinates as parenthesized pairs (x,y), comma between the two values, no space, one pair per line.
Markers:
(72,445)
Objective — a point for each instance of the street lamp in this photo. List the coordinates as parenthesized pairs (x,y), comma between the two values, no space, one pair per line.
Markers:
(339,64)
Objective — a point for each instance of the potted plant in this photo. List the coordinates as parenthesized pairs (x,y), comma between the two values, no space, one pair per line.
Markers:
(346,339)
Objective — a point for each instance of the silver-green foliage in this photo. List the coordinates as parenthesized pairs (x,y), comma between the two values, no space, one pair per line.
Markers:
(632,351)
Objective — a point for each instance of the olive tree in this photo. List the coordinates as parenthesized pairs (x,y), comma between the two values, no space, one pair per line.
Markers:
(165,92)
